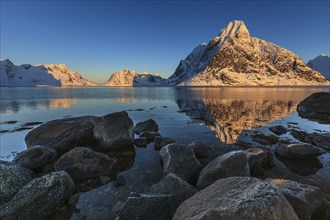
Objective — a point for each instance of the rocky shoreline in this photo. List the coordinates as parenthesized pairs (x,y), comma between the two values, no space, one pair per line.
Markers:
(70,156)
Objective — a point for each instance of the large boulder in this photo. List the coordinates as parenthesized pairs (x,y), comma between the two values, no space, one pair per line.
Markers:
(12,178)
(114,131)
(318,139)
(63,134)
(316,107)
(234,163)
(162,141)
(180,160)
(36,157)
(298,151)
(39,198)
(148,125)
(259,159)
(305,199)
(237,198)
(83,163)
(200,149)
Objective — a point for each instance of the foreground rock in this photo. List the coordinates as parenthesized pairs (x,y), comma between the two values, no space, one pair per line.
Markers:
(279,129)
(317,139)
(316,107)
(237,198)
(259,159)
(148,206)
(180,160)
(148,125)
(114,131)
(304,199)
(12,178)
(39,198)
(36,157)
(298,151)
(200,149)
(233,163)
(63,134)
(83,163)
(161,142)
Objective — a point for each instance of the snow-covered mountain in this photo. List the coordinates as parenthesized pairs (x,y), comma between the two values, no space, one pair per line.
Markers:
(321,64)
(236,59)
(40,75)
(127,77)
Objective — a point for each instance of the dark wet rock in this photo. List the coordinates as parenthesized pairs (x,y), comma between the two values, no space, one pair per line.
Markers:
(279,129)
(39,198)
(200,149)
(180,160)
(34,123)
(36,157)
(73,199)
(150,135)
(148,125)
(119,181)
(4,131)
(63,134)
(298,151)
(259,159)
(233,163)
(9,122)
(162,142)
(303,167)
(317,139)
(264,139)
(12,178)
(172,184)
(141,142)
(148,206)
(23,128)
(114,131)
(316,107)
(305,199)
(83,163)
(237,198)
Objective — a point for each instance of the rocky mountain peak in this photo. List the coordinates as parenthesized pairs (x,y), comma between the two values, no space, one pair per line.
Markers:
(234,29)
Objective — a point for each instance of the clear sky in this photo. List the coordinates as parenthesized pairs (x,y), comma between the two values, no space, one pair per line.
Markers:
(97,38)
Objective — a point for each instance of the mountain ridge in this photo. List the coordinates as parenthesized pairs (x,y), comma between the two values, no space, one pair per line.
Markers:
(321,63)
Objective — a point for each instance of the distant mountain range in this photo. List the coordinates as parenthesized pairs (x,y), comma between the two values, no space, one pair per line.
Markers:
(232,58)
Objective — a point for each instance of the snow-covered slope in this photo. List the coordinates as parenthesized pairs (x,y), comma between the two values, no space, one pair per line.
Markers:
(40,75)
(235,58)
(321,64)
(127,77)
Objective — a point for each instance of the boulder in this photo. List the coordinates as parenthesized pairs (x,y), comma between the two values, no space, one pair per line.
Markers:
(114,131)
(180,160)
(63,134)
(234,163)
(259,159)
(83,163)
(237,198)
(298,151)
(39,198)
(12,178)
(316,107)
(318,139)
(279,129)
(36,157)
(162,141)
(148,206)
(148,125)
(150,135)
(141,142)
(200,149)
(264,139)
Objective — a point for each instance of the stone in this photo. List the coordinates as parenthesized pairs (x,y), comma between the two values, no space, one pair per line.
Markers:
(180,160)
(200,149)
(316,107)
(264,139)
(278,130)
(36,157)
(259,159)
(237,198)
(148,125)
(141,142)
(12,178)
(114,131)
(150,135)
(39,198)
(83,163)
(234,163)
(162,141)
(63,134)
(318,139)
(298,151)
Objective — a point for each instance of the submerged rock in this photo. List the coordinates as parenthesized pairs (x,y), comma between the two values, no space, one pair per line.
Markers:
(148,125)
(161,142)
(264,139)
(279,129)
(150,135)
(200,149)
(298,151)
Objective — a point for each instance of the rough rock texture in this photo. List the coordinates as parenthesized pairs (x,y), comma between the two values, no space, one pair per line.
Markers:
(148,125)
(237,198)
(316,107)
(114,131)
(317,139)
(150,135)
(298,151)
(148,206)
(39,198)
(83,163)
(259,159)
(141,142)
(63,134)
(12,178)
(200,149)
(162,141)
(36,157)
(180,160)
(234,163)
(304,199)
(264,139)
(279,129)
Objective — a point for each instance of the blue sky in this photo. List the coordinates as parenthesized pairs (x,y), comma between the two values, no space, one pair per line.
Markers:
(97,38)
